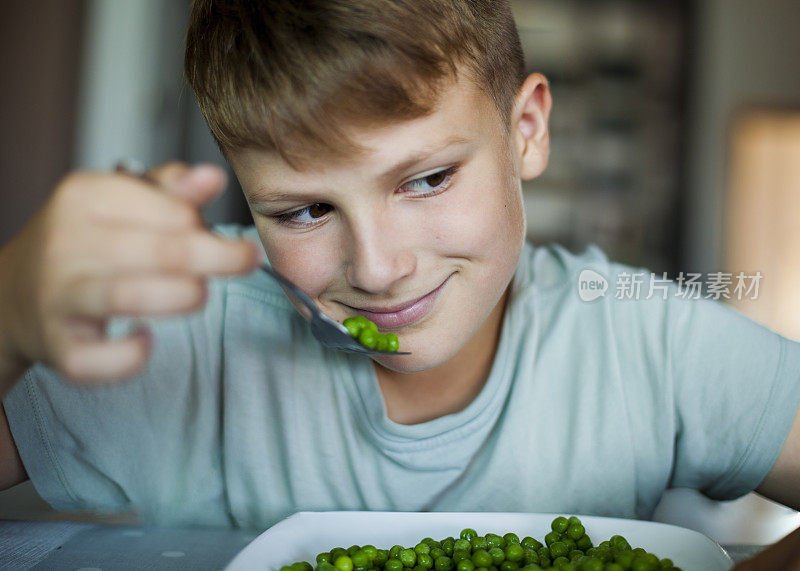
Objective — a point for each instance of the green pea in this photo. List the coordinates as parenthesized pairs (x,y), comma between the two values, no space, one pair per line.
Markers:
(531,543)
(325,566)
(438,552)
(531,556)
(558,549)
(462,545)
(551,538)
(619,543)
(424,560)
(381,343)
(479,542)
(460,554)
(394,343)
(640,564)
(421,548)
(336,552)
(604,554)
(468,533)
(560,562)
(591,564)
(497,555)
(575,531)
(408,557)
(360,559)
(442,563)
(381,557)
(447,546)
(625,558)
(515,551)
(511,538)
(481,558)
(495,540)
(393,565)
(324,557)
(559,524)
(465,565)
(368,338)
(344,563)
(583,543)
(509,566)
(353,326)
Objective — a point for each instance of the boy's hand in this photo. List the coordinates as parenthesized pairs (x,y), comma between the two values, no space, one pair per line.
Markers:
(107,245)
(784,555)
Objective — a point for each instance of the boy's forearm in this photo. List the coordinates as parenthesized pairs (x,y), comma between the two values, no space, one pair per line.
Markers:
(12,364)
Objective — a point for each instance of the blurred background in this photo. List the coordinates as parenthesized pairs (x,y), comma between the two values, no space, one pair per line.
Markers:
(675,146)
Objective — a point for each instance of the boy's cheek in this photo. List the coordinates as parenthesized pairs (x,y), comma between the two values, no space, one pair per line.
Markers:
(307,262)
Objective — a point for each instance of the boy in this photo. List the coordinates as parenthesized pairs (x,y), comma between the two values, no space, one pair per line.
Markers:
(380,145)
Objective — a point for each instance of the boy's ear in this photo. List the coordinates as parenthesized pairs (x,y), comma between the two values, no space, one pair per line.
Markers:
(529,125)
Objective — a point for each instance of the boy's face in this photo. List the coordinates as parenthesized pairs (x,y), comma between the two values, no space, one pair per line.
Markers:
(421,234)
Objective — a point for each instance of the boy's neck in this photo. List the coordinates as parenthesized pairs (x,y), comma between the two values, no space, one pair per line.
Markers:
(412,398)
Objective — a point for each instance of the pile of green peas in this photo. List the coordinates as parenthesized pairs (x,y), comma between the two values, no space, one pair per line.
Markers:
(366,333)
(566,548)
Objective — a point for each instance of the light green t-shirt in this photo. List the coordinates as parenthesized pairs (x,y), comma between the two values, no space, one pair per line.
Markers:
(592,407)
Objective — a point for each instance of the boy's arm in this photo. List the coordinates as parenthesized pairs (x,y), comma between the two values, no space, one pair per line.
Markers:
(782,483)
(12,472)
(106,245)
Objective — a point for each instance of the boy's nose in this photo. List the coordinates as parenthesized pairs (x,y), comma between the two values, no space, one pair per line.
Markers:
(378,260)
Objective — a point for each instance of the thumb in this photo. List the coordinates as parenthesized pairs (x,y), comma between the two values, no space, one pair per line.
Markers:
(197,184)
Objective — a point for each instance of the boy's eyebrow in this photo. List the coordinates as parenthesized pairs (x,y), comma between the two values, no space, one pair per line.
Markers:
(265,194)
(404,165)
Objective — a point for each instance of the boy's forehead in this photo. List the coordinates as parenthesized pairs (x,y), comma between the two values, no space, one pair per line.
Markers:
(463,115)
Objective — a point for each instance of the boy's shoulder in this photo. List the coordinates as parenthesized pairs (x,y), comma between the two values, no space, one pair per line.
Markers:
(551,267)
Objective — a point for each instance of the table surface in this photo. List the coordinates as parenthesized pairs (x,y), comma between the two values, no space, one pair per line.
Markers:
(92,547)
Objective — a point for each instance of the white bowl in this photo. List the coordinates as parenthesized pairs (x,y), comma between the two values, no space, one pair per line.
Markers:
(303,535)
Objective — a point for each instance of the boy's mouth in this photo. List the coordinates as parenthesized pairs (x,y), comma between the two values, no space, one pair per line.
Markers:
(401,315)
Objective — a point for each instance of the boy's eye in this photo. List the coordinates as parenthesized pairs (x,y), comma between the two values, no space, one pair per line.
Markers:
(432,183)
(307,216)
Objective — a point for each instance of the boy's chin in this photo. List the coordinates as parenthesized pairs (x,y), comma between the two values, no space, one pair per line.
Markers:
(421,359)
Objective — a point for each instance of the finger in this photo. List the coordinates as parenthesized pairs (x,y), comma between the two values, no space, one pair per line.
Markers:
(197,185)
(123,200)
(107,360)
(195,252)
(158,295)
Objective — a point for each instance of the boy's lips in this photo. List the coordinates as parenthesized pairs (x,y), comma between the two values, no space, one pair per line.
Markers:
(397,316)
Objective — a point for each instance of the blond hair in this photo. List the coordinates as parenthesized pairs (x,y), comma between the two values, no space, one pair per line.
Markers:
(294,75)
